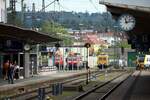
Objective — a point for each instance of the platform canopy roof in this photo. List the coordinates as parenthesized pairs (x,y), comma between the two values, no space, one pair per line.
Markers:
(139,36)
(26,35)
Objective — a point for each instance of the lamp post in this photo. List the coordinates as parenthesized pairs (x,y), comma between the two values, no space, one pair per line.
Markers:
(115,44)
(87,45)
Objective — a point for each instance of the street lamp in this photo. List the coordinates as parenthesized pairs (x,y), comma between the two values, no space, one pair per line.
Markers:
(87,45)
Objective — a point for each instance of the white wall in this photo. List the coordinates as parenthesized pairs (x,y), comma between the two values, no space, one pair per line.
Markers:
(3,14)
(92,61)
(110,39)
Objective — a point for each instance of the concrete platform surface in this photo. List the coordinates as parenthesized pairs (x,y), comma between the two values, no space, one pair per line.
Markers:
(134,88)
(37,81)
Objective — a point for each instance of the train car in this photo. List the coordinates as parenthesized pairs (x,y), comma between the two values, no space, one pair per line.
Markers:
(147,62)
(102,61)
(74,62)
(140,62)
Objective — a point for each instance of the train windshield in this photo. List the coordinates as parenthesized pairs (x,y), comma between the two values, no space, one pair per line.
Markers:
(141,59)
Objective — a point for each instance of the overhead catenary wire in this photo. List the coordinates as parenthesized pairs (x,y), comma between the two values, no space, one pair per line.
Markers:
(59,4)
(54,6)
(49,5)
(27,6)
(93,5)
(19,2)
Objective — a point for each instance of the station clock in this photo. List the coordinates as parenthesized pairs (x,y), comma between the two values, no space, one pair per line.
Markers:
(126,22)
(26,47)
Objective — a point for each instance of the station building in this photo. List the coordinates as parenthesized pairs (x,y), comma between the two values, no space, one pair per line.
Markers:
(16,43)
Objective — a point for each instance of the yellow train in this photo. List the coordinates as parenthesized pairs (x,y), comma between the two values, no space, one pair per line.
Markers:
(140,63)
(143,62)
(102,61)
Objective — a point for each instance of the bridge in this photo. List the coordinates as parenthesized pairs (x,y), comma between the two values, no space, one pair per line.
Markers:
(140,10)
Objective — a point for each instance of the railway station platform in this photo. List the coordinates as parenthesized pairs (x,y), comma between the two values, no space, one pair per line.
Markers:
(29,84)
(44,76)
(137,87)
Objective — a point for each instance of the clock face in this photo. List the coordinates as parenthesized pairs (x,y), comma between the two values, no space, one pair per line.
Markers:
(126,22)
(26,47)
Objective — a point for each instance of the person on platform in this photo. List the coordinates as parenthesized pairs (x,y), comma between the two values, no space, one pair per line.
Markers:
(5,69)
(16,71)
(11,73)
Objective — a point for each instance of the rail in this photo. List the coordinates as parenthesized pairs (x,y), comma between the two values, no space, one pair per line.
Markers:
(114,88)
(49,87)
(95,88)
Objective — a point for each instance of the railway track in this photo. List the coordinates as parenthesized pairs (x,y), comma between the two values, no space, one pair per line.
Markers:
(129,85)
(34,93)
(117,85)
(102,91)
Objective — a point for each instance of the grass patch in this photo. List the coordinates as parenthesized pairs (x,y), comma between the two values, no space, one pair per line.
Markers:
(64,95)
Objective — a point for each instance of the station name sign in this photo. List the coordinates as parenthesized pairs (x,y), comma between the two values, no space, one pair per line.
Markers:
(11,46)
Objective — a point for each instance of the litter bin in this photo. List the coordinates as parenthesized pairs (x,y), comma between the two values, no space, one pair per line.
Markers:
(41,94)
(57,89)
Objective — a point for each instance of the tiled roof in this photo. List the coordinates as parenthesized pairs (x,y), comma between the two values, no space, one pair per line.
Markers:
(93,39)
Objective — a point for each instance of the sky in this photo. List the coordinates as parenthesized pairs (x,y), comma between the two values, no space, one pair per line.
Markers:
(90,6)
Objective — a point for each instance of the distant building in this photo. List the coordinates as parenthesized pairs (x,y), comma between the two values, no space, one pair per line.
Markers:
(90,36)
(96,43)
(3,11)
(94,39)
(109,37)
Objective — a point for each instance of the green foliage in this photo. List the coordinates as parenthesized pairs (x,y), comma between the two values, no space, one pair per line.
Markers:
(53,28)
(124,44)
(56,30)
(14,19)
(96,21)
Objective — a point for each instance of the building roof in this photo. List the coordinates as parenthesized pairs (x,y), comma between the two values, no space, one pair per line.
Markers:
(140,5)
(93,39)
(29,36)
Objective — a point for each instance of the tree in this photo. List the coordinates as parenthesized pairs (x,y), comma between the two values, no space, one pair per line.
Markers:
(56,30)
(124,44)
(14,19)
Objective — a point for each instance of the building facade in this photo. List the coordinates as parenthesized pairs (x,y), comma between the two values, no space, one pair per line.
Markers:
(110,37)
(3,11)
